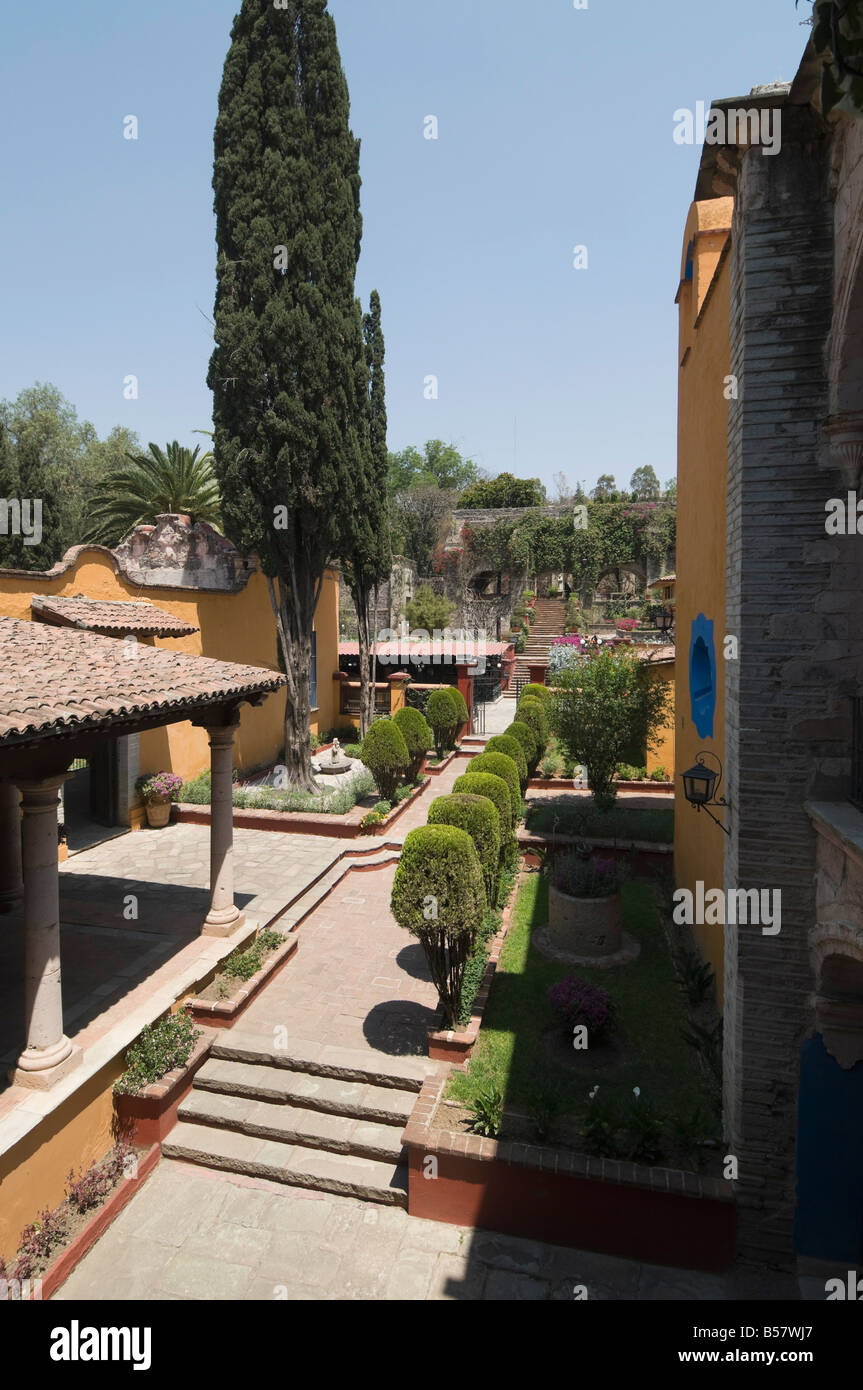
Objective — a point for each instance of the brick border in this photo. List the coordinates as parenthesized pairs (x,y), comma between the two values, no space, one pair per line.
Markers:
(147,1118)
(302,822)
(565,784)
(662,1215)
(58,1272)
(223,1013)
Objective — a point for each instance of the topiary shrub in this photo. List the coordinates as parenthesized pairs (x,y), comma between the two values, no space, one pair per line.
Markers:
(438,896)
(417,734)
(529,744)
(442,713)
(497,791)
(385,754)
(478,816)
(534,691)
(503,743)
(499,765)
(531,713)
(463,711)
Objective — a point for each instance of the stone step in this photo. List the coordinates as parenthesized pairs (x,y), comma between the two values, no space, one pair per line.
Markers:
(291,1124)
(354,1100)
(293,1164)
(337,1063)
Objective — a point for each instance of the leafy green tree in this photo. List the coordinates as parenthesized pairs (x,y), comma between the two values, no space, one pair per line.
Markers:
(366,551)
(429,611)
(173,479)
(503,491)
(606,488)
(644,485)
(10,492)
(420,521)
(436,465)
(64,456)
(289,373)
(602,708)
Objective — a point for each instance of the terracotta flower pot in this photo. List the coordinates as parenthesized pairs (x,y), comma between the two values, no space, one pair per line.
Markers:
(158,814)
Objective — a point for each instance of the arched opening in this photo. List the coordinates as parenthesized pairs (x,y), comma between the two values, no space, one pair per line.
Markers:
(829,1216)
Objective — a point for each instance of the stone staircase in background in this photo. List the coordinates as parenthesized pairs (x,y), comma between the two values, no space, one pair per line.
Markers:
(330,1120)
(550,623)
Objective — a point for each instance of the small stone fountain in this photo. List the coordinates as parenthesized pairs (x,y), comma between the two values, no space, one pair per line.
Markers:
(334,764)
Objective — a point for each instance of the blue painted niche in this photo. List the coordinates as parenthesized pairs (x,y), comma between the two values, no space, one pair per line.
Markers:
(702,676)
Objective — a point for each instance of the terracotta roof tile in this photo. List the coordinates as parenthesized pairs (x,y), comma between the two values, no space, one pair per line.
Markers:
(113,619)
(57,680)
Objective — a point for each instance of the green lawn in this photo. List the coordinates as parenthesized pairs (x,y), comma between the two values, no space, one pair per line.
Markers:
(582,819)
(650,1010)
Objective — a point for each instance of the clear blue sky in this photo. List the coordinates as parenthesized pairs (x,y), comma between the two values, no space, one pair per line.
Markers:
(555,130)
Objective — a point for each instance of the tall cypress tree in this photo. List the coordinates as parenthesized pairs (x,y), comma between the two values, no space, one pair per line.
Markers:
(288,374)
(366,550)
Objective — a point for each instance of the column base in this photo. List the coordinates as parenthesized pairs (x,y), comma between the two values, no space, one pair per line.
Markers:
(32,1072)
(223,923)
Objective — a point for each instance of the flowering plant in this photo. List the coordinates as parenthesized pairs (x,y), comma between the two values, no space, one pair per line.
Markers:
(578,1004)
(627,624)
(159,787)
(588,878)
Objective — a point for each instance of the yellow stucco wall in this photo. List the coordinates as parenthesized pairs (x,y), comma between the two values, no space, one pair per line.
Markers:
(704,358)
(232,627)
(663,754)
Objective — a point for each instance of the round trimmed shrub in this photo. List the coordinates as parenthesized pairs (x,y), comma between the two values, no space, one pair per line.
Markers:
(503,743)
(529,744)
(534,691)
(531,713)
(478,816)
(415,731)
(464,712)
(438,896)
(385,754)
(497,792)
(442,713)
(499,765)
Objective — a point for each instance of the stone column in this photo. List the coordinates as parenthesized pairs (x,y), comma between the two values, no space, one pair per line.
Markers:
(11,882)
(49,1053)
(224,917)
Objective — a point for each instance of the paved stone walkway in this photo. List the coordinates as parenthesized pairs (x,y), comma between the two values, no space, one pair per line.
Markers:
(200,1235)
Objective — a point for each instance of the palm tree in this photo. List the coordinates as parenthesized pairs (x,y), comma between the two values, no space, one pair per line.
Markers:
(174,480)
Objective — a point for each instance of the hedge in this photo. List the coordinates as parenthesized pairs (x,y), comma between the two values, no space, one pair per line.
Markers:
(386,756)
(499,765)
(503,743)
(531,713)
(439,897)
(478,816)
(443,714)
(529,743)
(417,734)
(497,791)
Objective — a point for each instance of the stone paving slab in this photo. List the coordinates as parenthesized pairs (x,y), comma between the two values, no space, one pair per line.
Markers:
(195,1234)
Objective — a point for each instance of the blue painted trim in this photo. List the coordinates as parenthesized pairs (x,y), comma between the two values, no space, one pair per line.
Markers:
(702,676)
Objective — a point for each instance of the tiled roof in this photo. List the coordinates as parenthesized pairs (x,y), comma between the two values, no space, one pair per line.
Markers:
(111,618)
(61,680)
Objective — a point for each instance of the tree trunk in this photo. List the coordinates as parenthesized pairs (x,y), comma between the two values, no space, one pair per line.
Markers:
(294,609)
(360,596)
(375,657)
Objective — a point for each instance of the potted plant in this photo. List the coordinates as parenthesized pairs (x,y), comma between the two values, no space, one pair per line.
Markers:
(158,791)
(585,915)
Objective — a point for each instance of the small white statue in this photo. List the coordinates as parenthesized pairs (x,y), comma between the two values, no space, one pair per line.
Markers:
(337,751)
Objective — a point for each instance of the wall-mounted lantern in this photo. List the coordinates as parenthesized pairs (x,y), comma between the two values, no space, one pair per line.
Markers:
(700,785)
